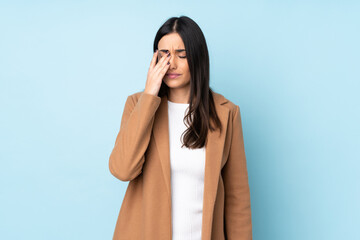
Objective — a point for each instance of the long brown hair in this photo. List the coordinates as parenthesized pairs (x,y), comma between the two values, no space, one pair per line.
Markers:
(201,104)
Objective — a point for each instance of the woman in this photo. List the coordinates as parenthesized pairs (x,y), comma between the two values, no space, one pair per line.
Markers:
(181,147)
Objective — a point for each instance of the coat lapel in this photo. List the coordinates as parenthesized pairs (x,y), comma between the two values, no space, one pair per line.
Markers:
(213,156)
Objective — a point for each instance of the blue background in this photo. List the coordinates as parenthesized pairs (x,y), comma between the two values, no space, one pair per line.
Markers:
(67,67)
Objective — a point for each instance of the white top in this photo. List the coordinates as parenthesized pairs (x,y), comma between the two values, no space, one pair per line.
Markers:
(187,178)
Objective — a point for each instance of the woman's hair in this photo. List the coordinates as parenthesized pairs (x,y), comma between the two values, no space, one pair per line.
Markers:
(201,102)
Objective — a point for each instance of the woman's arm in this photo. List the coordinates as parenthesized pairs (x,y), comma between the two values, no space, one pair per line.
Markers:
(237,210)
(127,157)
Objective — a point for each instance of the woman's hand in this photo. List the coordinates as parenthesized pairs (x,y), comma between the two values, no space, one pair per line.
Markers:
(156,73)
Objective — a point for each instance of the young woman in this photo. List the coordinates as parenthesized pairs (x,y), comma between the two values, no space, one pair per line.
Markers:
(181,147)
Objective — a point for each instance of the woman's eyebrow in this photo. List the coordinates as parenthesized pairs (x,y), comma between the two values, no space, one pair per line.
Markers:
(176,50)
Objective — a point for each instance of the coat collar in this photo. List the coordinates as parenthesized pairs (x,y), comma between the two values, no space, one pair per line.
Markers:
(213,156)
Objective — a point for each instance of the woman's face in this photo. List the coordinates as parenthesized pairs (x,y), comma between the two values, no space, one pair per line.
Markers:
(173,43)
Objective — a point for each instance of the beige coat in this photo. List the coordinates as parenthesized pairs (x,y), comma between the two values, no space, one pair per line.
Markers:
(141,156)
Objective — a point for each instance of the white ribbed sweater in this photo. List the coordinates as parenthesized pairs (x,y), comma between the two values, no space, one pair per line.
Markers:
(187,178)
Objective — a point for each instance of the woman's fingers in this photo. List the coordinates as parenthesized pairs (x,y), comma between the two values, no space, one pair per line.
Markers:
(162,64)
(156,73)
(153,60)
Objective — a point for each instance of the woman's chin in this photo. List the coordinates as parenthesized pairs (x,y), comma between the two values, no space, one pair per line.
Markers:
(172,82)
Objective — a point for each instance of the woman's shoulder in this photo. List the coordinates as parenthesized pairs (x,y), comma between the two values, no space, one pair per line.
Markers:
(136,95)
(224,101)
(219,99)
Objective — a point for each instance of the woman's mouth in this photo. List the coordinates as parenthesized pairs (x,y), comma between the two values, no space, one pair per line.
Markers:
(172,76)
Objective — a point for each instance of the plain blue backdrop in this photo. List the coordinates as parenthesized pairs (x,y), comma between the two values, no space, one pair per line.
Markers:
(67,67)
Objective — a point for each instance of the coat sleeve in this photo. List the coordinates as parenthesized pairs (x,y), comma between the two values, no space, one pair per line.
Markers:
(237,211)
(128,155)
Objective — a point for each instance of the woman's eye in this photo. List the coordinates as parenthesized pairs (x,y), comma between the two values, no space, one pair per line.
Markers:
(182,56)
